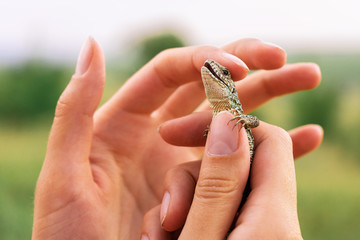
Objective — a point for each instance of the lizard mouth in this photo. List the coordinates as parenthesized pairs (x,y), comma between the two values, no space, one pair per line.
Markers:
(212,71)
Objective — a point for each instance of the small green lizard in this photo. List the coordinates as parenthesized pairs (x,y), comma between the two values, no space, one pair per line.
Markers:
(221,92)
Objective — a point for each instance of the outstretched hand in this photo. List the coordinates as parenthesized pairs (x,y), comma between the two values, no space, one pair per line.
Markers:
(104,169)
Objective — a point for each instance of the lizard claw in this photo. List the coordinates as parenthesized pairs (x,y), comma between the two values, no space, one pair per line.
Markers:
(206,132)
(246,120)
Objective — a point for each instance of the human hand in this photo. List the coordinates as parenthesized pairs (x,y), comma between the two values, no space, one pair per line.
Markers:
(202,198)
(103,171)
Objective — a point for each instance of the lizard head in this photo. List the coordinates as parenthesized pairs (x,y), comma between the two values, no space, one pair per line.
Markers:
(217,82)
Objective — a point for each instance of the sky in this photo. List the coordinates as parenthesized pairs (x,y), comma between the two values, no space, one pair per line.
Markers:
(55,30)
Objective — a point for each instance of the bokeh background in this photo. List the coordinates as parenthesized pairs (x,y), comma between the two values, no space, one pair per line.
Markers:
(40,40)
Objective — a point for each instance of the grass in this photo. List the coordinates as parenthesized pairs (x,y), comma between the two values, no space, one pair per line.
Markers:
(21,155)
(328,194)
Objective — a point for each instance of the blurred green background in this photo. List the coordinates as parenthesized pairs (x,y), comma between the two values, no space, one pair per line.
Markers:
(328,179)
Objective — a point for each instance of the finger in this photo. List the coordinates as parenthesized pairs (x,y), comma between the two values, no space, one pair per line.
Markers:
(266,85)
(273,183)
(182,102)
(257,54)
(179,185)
(151,228)
(222,178)
(189,131)
(273,154)
(71,133)
(306,139)
(157,80)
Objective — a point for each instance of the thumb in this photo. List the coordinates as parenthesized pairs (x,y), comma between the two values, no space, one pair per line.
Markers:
(71,133)
(222,179)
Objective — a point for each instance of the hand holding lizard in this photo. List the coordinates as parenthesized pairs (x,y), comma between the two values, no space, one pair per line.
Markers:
(202,197)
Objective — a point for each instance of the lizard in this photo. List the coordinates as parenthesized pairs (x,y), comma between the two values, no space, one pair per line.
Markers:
(221,93)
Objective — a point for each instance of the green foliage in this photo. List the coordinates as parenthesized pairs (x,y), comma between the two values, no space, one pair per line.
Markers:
(329,104)
(316,106)
(153,44)
(143,50)
(30,90)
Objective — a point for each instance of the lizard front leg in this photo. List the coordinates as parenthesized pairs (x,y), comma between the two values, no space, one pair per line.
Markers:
(246,120)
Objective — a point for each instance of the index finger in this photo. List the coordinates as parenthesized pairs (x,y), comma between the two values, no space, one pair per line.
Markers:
(157,80)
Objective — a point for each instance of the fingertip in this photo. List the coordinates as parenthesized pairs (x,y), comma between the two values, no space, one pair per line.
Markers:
(144,236)
(90,79)
(314,74)
(273,56)
(317,129)
(258,54)
(96,69)
(240,73)
(318,134)
(151,228)
(186,131)
(237,67)
(85,57)
(180,186)
(306,139)
(164,207)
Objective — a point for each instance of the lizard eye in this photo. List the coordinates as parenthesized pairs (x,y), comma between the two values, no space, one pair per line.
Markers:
(226,72)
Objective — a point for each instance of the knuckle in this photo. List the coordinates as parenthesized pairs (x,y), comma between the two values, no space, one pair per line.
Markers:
(166,80)
(66,107)
(181,174)
(163,55)
(216,187)
(62,107)
(171,175)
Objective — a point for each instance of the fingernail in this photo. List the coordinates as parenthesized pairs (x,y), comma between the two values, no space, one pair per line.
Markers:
(236,60)
(223,137)
(164,206)
(273,45)
(85,57)
(144,237)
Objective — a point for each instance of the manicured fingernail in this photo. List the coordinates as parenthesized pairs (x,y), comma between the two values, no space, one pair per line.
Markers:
(144,237)
(273,45)
(164,207)
(236,60)
(85,57)
(223,137)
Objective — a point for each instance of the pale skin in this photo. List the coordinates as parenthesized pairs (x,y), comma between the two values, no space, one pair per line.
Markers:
(104,168)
